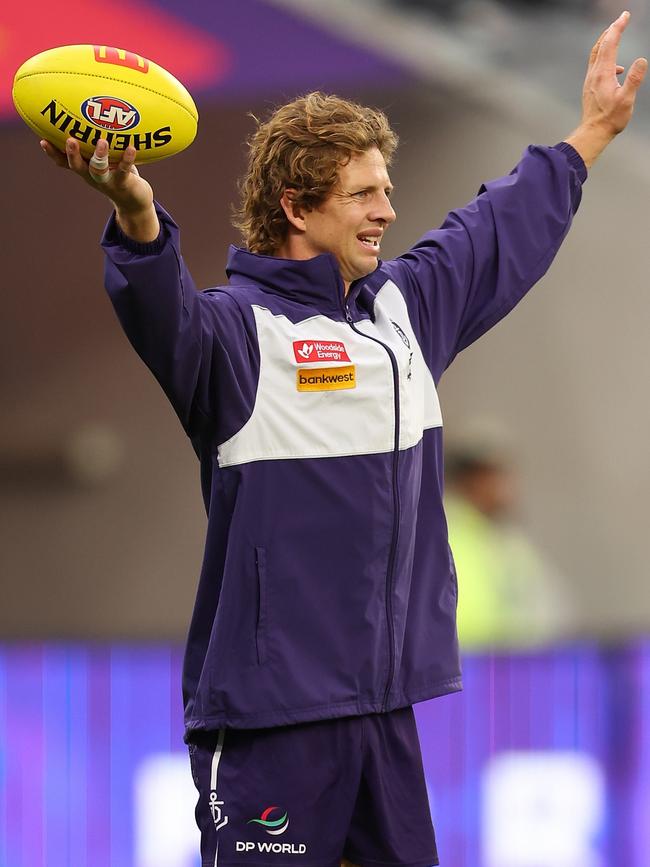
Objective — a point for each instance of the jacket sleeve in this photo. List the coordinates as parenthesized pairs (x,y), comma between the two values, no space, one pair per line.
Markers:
(198,345)
(461,279)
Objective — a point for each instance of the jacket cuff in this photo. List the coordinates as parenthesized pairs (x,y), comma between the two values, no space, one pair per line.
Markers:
(114,236)
(574,159)
(148,249)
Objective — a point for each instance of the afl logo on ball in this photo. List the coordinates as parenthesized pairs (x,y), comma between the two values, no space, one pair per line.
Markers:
(109,112)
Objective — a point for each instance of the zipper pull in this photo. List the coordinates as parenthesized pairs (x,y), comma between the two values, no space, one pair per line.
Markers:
(348,316)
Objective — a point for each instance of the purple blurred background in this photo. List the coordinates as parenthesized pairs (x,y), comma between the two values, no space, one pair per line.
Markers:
(76,785)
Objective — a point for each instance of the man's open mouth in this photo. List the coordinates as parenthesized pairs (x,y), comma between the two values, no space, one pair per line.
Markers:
(370,242)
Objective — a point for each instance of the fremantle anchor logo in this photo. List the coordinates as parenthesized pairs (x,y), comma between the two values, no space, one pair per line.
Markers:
(218,817)
(401,333)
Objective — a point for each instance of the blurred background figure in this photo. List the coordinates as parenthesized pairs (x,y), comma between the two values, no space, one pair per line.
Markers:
(509,595)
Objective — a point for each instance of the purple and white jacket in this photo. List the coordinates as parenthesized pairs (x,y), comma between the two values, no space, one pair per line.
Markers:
(327,587)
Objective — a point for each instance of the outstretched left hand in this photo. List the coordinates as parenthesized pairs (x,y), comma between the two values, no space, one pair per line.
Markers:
(607,105)
(605,101)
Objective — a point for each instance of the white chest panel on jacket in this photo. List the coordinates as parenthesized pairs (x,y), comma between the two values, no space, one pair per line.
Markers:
(419,404)
(325,390)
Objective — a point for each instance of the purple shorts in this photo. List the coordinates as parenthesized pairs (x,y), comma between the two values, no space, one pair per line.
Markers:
(313,793)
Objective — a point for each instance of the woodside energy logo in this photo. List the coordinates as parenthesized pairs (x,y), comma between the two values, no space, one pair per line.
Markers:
(319,350)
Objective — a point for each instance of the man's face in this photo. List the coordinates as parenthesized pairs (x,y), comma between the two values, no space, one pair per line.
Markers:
(350,223)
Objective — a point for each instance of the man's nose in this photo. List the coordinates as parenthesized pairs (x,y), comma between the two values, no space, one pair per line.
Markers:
(385,211)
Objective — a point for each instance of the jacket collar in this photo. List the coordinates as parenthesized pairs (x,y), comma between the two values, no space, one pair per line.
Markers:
(315,282)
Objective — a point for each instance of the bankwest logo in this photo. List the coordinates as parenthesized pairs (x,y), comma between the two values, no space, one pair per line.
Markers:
(319,350)
(326,378)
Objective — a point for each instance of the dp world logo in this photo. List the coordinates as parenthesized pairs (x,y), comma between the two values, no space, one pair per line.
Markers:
(109,112)
(272,826)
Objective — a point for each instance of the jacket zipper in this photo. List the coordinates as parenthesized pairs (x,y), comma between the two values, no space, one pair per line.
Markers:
(396,512)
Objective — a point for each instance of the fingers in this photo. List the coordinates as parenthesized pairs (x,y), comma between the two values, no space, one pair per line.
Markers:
(610,41)
(98,164)
(127,162)
(54,154)
(98,170)
(75,161)
(69,159)
(594,51)
(124,168)
(634,77)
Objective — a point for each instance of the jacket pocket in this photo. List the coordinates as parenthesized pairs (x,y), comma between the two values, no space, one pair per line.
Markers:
(454,574)
(192,748)
(260,629)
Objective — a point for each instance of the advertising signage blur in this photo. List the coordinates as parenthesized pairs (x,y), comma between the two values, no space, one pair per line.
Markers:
(539,762)
(227,51)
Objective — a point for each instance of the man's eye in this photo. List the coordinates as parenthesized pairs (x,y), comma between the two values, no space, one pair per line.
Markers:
(361,194)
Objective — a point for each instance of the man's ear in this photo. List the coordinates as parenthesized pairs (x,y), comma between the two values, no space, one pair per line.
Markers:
(293,212)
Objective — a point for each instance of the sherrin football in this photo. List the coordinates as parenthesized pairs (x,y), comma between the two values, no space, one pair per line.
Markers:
(90,92)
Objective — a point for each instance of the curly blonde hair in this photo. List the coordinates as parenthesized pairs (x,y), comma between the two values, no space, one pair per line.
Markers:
(302,146)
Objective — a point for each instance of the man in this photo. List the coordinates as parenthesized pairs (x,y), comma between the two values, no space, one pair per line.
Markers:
(327,597)
(510,596)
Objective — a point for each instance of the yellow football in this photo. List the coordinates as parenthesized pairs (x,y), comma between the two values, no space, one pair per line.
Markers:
(89,92)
